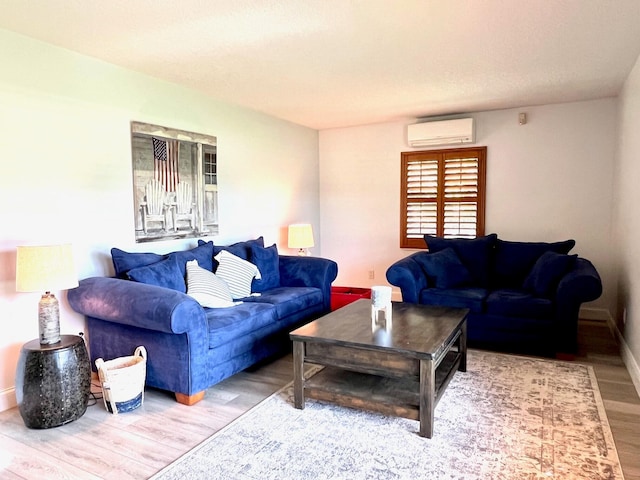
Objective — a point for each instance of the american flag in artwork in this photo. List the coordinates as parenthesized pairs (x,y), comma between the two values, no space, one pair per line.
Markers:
(165,162)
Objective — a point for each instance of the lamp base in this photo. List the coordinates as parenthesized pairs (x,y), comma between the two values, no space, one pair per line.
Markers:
(49,319)
(304,252)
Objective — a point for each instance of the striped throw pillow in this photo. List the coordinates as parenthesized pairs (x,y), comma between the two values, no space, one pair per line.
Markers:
(206,288)
(237,273)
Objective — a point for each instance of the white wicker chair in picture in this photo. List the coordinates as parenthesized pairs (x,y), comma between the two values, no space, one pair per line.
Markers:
(154,207)
(184,207)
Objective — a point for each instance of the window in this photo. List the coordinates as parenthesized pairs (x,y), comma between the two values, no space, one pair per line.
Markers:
(210,166)
(210,170)
(442,194)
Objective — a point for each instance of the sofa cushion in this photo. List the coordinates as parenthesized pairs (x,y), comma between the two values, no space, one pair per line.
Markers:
(239,249)
(518,303)
(165,273)
(444,269)
(203,253)
(238,273)
(207,288)
(475,254)
(547,272)
(125,261)
(289,300)
(471,298)
(267,261)
(514,260)
(228,324)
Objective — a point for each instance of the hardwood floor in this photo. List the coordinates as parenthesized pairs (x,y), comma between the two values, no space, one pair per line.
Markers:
(598,348)
(137,444)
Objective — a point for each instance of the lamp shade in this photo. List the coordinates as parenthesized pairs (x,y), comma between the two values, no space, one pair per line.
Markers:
(300,235)
(45,268)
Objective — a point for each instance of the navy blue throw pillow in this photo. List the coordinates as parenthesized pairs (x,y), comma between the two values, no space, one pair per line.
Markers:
(476,254)
(239,249)
(203,253)
(125,261)
(547,273)
(514,260)
(444,269)
(163,274)
(268,262)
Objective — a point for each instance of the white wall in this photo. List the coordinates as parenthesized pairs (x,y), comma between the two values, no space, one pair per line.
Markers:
(548,180)
(627,224)
(66,170)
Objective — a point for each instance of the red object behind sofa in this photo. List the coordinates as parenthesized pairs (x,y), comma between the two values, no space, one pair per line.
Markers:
(341,296)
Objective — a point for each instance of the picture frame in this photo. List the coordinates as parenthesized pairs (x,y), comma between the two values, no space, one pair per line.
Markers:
(175,183)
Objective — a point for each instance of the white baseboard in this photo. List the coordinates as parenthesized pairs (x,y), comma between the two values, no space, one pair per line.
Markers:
(630,362)
(8,399)
(601,314)
(627,357)
(632,365)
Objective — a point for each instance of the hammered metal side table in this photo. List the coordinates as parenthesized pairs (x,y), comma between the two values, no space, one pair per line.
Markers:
(53,382)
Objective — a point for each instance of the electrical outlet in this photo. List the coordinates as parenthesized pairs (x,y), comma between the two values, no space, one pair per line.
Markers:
(372,274)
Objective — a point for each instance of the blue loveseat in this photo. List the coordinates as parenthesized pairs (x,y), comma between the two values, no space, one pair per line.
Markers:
(191,347)
(523,296)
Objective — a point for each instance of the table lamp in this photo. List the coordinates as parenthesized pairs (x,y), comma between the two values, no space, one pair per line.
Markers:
(46,268)
(301,237)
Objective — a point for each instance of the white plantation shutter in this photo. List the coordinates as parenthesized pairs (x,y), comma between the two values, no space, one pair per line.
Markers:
(442,194)
(422,195)
(460,219)
(460,195)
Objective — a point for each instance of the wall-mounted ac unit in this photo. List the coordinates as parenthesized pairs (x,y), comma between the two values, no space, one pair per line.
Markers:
(444,132)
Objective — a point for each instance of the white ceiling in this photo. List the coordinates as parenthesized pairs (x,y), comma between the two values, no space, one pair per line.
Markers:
(334,63)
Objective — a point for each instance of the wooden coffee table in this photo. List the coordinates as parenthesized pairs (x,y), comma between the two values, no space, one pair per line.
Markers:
(400,371)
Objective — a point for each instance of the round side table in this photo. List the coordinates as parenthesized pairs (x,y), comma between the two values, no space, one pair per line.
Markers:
(53,382)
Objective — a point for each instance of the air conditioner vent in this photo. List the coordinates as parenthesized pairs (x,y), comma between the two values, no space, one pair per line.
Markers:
(444,132)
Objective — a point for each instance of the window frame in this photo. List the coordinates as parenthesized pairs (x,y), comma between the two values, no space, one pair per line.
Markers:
(441,156)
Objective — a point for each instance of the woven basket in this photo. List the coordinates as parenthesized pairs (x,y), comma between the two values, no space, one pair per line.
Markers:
(122,381)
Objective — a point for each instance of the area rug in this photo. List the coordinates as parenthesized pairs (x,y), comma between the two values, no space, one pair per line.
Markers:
(507,417)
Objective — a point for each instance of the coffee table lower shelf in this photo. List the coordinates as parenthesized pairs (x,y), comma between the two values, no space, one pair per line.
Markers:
(387,395)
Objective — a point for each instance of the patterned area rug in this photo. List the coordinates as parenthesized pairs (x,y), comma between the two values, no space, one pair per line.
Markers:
(507,417)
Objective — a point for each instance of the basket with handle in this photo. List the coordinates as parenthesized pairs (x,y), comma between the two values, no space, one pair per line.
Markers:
(122,381)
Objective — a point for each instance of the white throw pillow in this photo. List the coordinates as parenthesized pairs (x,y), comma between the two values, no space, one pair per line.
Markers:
(206,288)
(238,273)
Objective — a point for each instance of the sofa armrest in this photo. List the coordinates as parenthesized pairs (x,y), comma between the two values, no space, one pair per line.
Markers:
(581,284)
(302,271)
(138,305)
(409,276)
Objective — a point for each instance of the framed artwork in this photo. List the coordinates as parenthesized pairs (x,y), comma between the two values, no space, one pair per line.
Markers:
(175,183)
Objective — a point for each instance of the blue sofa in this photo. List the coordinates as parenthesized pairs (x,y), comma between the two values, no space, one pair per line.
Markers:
(523,296)
(191,347)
